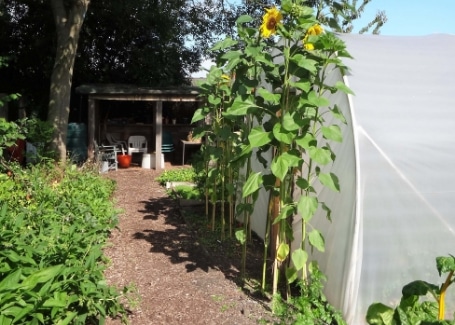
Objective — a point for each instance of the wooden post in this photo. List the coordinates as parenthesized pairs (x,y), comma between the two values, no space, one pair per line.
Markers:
(158,133)
(91,127)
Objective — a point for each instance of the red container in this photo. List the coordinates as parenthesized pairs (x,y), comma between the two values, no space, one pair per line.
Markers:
(124,161)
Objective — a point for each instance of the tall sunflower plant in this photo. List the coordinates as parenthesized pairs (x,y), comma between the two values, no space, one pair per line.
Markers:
(274,108)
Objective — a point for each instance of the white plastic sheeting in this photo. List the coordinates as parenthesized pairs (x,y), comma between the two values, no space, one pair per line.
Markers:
(403,116)
(396,210)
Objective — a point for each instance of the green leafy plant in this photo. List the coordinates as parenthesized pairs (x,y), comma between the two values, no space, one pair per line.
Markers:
(414,310)
(311,306)
(188,192)
(10,132)
(54,224)
(39,133)
(269,96)
(177,175)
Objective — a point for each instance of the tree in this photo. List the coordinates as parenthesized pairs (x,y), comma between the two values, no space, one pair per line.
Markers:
(68,17)
(146,45)
(27,40)
(143,42)
(340,15)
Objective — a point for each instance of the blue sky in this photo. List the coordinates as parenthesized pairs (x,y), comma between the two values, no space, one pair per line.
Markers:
(412,17)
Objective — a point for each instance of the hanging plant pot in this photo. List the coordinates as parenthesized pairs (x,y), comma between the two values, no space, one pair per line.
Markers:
(124,161)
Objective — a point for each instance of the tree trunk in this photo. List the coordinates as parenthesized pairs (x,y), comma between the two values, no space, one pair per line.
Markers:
(68,22)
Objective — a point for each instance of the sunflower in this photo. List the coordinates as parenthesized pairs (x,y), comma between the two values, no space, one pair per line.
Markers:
(312,31)
(270,20)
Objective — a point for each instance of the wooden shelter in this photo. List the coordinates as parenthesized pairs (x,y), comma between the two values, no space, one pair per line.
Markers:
(115,92)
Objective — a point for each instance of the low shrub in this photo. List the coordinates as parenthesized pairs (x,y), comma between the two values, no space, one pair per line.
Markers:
(310,307)
(54,224)
(177,175)
(188,192)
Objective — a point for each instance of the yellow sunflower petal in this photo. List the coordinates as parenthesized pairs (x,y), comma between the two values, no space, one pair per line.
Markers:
(270,20)
(315,30)
(309,46)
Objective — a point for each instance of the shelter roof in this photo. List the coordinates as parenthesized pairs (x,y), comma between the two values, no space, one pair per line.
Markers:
(132,92)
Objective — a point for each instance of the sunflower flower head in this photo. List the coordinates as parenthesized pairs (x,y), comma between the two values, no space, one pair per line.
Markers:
(270,20)
(312,31)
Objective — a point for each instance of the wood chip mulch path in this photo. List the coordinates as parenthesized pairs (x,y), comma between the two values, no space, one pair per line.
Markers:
(177,280)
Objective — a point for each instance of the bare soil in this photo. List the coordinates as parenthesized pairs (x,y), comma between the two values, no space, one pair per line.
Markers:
(179,279)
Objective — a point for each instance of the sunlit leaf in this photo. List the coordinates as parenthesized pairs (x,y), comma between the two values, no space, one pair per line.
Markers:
(221,45)
(302,85)
(317,101)
(380,314)
(289,123)
(69,317)
(299,257)
(253,51)
(252,184)
(342,86)
(332,132)
(231,55)
(283,135)
(305,63)
(198,115)
(258,137)
(25,310)
(285,212)
(322,156)
(214,100)
(306,141)
(272,98)
(338,114)
(41,276)
(445,264)
(243,19)
(316,240)
(330,180)
(307,206)
(240,236)
(282,252)
(245,151)
(11,280)
(282,163)
(240,107)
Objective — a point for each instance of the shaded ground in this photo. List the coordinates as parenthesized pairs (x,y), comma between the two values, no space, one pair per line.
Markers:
(179,280)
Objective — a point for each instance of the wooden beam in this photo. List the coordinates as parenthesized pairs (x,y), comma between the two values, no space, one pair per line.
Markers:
(158,133)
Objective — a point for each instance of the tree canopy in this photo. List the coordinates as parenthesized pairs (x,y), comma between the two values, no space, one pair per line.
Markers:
(143,42)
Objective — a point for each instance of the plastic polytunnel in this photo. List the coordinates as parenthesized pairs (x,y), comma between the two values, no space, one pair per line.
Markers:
(396,210)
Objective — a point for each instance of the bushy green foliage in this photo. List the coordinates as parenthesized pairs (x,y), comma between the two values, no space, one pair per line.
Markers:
(311,306)
(188,192)
(54,223)
(39,133)
(177,175)
(9,133)
(414,307)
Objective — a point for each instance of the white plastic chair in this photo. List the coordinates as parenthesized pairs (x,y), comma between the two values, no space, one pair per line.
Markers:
(137,143)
